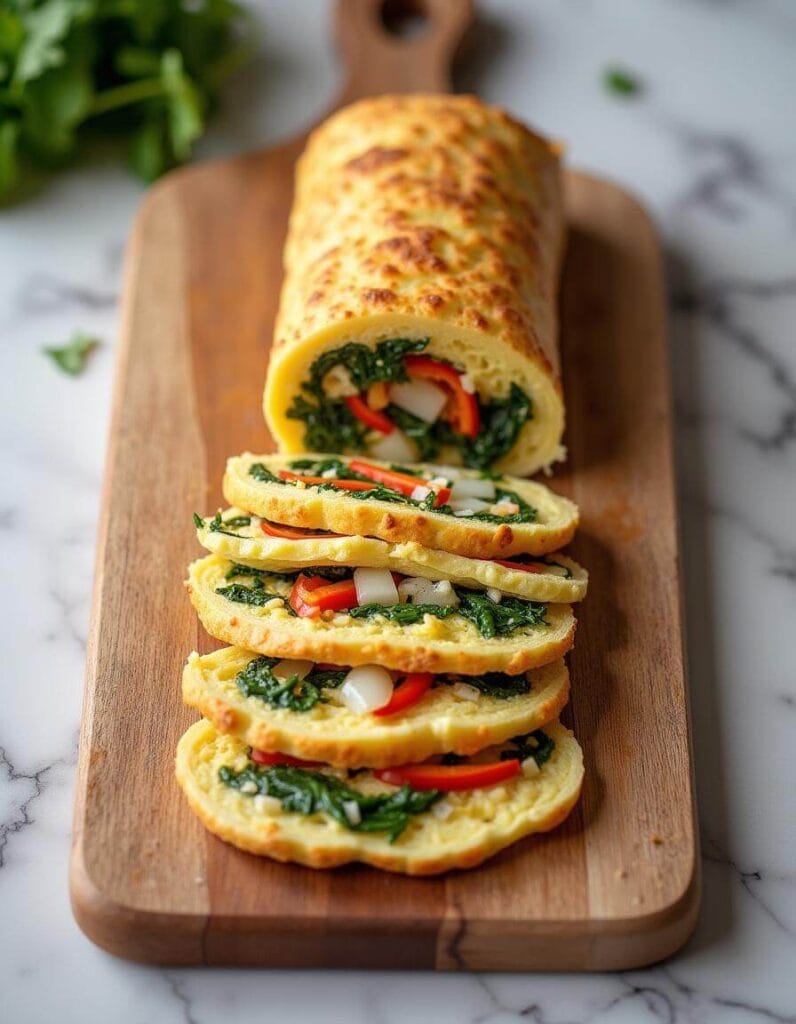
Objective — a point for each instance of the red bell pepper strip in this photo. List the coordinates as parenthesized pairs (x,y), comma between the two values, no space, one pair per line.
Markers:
(408,692)
(267,757)
(403,483)
(370,417)
(312,595)
(462,408)
(450,777)
(302,588)
(291,532)
(343,485)
(332,596)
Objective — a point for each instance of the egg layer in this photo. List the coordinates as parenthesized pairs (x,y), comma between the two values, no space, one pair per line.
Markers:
(475,825)
(305,506)
(431,645)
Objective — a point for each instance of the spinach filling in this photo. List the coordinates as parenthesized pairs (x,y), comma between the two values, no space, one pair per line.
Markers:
(501,422)
(257,593)
(536,744)
(490,618)
(381,492)
(294,694)
(331,426)
(308,792)
(217,524)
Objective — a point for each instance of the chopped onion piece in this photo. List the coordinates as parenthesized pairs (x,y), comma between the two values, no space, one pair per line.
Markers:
(467,488)
(366,688)
(442,593)
(471,505)
(338,383)
(530,767)
(466,692)
(464,512)
(394,447)
(467,383)
(248,787)
(375,586)
(442,810)
(413,586)
(494,594)
(352,812)
(420,493)
(287,668)
(329,474)
(267,805)
(420,397)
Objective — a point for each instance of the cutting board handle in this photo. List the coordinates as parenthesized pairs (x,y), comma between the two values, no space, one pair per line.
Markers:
(380,58)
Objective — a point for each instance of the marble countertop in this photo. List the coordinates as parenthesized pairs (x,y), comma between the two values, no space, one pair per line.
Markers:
(710,147)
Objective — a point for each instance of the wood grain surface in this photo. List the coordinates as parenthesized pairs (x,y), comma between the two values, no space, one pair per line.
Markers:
(617,885)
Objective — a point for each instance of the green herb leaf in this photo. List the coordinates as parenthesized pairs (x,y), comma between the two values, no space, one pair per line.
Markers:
(258,680)
(621,82)
(145,69)
(490,618)
(71,358)
(241,594)
(498,685)
(262,474)
(308,792)
(537,745)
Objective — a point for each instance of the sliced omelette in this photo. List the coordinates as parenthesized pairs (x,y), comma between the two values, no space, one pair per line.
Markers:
(445,508)
(416,819)
(366,716)
(368,616)
(250,540)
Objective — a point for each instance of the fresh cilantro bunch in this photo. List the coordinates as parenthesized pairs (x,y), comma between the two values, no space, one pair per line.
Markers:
(148,70)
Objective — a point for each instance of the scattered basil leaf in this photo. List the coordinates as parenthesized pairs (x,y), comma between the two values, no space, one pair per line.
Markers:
(621,82)
(71,358)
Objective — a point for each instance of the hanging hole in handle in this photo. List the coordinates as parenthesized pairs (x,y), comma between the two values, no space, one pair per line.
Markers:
(404,19)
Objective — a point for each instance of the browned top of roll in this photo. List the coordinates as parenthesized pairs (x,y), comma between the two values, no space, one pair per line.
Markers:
(438,206)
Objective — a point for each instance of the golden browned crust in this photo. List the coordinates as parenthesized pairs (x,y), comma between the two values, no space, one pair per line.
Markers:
(481,823)
(557,517)
(427,216)
(434,645)
(440,723)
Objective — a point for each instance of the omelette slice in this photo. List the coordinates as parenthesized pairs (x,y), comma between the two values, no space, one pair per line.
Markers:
(304,710)
(250,540)
(418,310)
(266,612)
(439,507)
(325,817)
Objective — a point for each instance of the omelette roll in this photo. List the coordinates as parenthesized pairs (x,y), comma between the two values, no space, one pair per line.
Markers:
(418,313)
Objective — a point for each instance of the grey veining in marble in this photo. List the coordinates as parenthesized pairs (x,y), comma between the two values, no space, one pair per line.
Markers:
(710,146)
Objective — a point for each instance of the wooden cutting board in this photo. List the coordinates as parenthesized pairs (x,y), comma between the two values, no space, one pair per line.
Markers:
(617,885)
